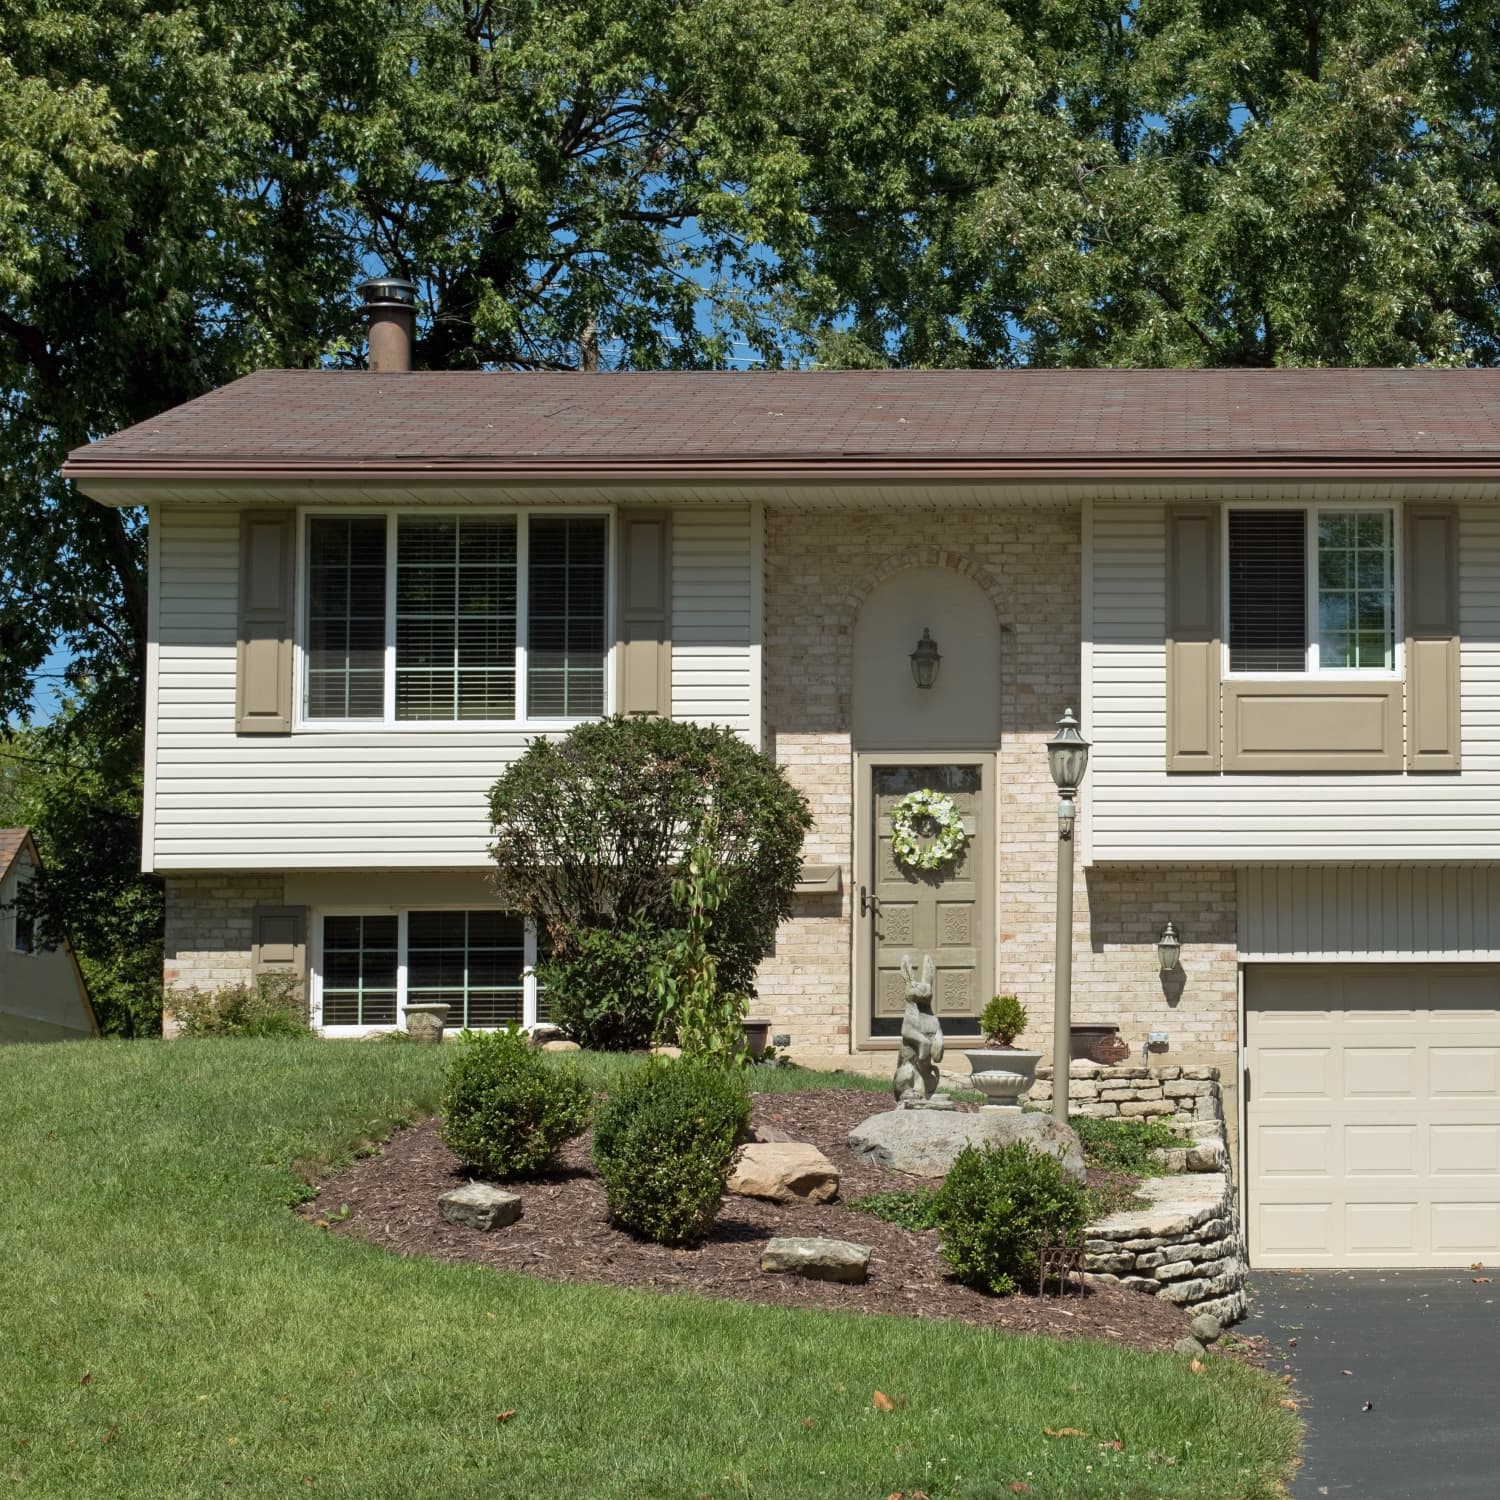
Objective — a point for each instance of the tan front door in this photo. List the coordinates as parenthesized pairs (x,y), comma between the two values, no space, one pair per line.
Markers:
(1372,1119)
(943,913)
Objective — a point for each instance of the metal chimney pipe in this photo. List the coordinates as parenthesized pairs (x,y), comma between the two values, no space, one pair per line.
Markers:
(391,308)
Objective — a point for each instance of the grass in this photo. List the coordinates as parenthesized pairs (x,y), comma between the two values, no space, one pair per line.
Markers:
(169,1328)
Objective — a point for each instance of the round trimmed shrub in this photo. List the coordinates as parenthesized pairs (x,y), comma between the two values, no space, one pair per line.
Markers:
(591,832)
(663,1142)
(994,1208)
(506,1109)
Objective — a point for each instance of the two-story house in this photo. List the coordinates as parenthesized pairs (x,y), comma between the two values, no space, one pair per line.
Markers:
(1274,596)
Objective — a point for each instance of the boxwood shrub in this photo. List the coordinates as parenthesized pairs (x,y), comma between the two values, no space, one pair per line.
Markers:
(994,1208)
(506,1109)
(663,1142)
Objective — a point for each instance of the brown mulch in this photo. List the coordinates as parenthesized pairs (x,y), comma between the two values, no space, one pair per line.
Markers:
(565,1235)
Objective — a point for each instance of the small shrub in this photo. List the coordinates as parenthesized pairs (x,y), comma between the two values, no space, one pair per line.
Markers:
(1003,1020)
(599,988)
(663,1142)
(1123,1145)
(915,1210)
(272,1006)
(994,1209)
(506,1110)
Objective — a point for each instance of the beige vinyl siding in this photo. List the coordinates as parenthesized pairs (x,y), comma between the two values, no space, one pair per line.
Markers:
(712,635)
(407,797)
(1136,812)
(1387,913)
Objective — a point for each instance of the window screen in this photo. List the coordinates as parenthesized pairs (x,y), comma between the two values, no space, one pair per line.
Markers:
(456,618)
(346,617)
(565,618)
(359,971)
(471,959)
(1267,591)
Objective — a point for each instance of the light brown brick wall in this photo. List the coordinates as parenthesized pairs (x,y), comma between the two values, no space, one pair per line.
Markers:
(818,571)
(208,937)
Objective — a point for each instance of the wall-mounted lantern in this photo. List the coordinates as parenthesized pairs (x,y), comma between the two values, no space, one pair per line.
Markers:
(925,660)
(1168,949)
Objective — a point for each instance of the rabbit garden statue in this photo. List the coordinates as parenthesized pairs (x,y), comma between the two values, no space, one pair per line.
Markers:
(921,1036)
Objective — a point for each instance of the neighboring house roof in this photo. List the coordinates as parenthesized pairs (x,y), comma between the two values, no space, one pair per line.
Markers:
(357,424)
(12,842)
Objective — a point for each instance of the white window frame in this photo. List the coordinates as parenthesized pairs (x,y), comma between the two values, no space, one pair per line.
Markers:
(401,913)
(1313,671)
(387,722)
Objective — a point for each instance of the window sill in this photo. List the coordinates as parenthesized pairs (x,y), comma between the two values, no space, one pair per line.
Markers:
(441,726)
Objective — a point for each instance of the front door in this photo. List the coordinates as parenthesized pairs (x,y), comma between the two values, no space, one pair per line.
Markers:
(909,911)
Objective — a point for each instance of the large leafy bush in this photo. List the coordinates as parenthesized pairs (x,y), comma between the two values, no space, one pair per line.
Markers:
(272,1006)
(593,832)
(663,1142)
(506,1108)
(994,1209)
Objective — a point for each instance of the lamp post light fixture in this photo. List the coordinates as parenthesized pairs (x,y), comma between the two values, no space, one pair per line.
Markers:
(925,660)
(1067,760)
(1168,949)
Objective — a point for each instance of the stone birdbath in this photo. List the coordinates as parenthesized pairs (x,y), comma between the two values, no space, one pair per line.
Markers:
(1001,1071)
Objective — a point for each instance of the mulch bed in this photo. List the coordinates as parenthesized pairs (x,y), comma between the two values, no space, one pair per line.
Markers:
(565,1235)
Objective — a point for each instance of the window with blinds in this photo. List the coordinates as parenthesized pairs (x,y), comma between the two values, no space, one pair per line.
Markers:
(473,960)
(346,618)
(451,631)
(359,973)
(1312,589)
(1267,591)
(565,618)
(456,618)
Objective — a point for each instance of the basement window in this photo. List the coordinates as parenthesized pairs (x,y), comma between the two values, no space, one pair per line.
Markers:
(368,967)
(446,619)
(1311,589)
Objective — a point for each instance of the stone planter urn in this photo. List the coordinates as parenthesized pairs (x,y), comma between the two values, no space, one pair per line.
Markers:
(425,1022)
(1002,1074)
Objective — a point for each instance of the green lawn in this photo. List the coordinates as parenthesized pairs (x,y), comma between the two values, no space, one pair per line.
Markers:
(169,1328)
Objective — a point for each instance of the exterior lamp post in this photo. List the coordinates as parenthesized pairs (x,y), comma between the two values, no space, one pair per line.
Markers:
(1067,759)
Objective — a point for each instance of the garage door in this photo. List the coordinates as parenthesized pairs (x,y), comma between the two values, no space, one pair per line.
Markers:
(1372,1115)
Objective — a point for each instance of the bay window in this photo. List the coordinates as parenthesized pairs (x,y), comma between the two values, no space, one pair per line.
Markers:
(447,618)
(1311,589)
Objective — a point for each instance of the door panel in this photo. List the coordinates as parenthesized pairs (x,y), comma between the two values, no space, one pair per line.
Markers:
(1372,1114)
(938,912)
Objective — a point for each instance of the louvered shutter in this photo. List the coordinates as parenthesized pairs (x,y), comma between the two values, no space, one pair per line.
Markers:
(645,613)
(263,666)
(1193,638)
(1432,641)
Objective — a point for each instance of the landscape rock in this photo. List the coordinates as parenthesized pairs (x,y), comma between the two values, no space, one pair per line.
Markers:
(816,1258)
(1189,1348)
(784,1172)
(561,1046)
(1145,1107)
(926,1143)
(478,1205)
(768,1134)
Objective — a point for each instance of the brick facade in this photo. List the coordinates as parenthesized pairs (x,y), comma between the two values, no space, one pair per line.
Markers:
(1027,560)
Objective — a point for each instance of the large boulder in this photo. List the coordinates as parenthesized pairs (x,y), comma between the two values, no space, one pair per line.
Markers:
(816,1258)
(784,1172)
(926,1143)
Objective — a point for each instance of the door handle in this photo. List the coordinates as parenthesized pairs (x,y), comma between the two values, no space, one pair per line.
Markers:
(868,904)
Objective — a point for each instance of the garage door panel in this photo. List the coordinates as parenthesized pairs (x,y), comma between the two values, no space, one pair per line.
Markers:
(1373,1114)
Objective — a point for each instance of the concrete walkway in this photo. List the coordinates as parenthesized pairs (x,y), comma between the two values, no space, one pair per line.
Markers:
(1422,1347)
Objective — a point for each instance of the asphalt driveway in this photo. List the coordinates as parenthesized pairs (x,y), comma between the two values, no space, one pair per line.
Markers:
(1421,1347)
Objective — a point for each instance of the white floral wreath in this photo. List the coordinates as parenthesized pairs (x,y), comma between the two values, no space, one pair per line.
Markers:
(908,849)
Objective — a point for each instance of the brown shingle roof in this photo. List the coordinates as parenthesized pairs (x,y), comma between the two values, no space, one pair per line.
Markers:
(336,422)
(12,841)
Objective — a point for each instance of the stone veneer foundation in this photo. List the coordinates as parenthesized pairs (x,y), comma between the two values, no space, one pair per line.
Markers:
(1027,560)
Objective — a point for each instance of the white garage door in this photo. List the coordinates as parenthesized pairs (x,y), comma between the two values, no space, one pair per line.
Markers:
(1372,1114)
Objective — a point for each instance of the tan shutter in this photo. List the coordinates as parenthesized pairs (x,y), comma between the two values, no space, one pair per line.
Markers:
(263,673)
(278,943)
(645,644)
(1193,638)
(1432,716)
